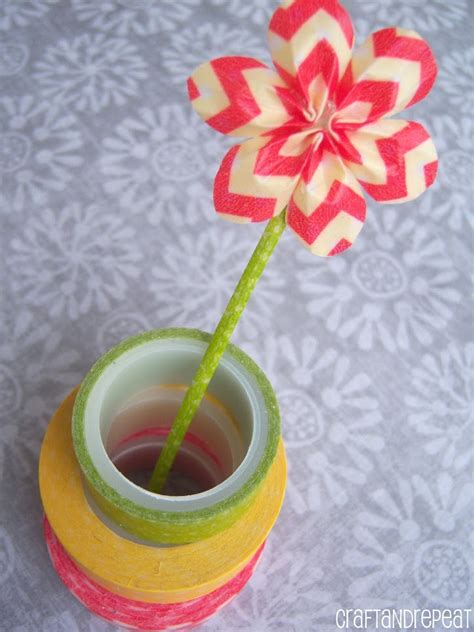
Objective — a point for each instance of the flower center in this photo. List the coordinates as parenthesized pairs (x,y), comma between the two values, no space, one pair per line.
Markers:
(324,120)
(310,113)
(321,122)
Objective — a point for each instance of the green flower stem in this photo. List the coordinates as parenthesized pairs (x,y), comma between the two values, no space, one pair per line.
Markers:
(216,348)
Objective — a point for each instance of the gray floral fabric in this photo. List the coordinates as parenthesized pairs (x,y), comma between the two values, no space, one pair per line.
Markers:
(108,229)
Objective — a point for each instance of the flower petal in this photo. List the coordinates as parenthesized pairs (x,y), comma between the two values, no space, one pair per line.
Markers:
(240,96)
(256,179)
(327,209)
(394,160)
(311,43)
(392,70)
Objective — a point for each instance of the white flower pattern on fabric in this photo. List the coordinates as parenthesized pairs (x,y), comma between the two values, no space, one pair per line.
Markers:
(40,355)
(440,405)
(345,458)
(258,11)
(36,363)
(446,504)
(442,573)
(90,72)
(63,622)
(259,610)
(393,512)
(382,567)
(192,45)
(38,151)
(337,438)
(303,421)
(14,13)
(404,510)
(449,205)
(455,83)
(194,281)
(83,240)
(151,159)
(433,16)
(150,176)
(17,456)
(376,297)
(118,327)
(137,17)
(399,516)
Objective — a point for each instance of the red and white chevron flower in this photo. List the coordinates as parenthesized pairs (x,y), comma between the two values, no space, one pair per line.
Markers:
(318,125)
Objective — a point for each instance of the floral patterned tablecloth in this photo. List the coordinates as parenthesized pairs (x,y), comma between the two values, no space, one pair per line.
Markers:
(108,228)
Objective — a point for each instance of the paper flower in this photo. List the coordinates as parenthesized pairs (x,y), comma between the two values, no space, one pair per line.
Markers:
(318,126)
(319,134)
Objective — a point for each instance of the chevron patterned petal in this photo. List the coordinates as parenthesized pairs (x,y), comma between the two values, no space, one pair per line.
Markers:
(311,43)
(256,179)
(319,125)
(240,96)
(394,160)
(327,209)
(392,70)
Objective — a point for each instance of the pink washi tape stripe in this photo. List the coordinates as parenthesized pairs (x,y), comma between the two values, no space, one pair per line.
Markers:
(140,615)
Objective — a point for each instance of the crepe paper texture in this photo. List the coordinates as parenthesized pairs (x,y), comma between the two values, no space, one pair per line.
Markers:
(136,570)
(178,527)
(141,615)
(319,136)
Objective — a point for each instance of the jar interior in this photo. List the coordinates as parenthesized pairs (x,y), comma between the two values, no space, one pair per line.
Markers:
(142,387)
(213,447)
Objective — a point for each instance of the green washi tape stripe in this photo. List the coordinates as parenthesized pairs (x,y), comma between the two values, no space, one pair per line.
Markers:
(164,519)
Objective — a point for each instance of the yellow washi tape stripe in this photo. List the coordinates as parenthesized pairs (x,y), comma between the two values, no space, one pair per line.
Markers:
(138,571)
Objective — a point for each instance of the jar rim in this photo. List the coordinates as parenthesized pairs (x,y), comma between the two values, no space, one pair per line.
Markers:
(107,483)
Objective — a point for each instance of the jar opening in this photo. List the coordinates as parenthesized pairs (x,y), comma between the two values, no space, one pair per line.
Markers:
(212,450)
(195,470)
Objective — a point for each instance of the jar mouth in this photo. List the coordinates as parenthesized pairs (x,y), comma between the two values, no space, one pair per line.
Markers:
(157,360)
(195,469)
(212,449)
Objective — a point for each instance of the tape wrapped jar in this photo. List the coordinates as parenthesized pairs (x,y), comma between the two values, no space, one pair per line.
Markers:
(236,435)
